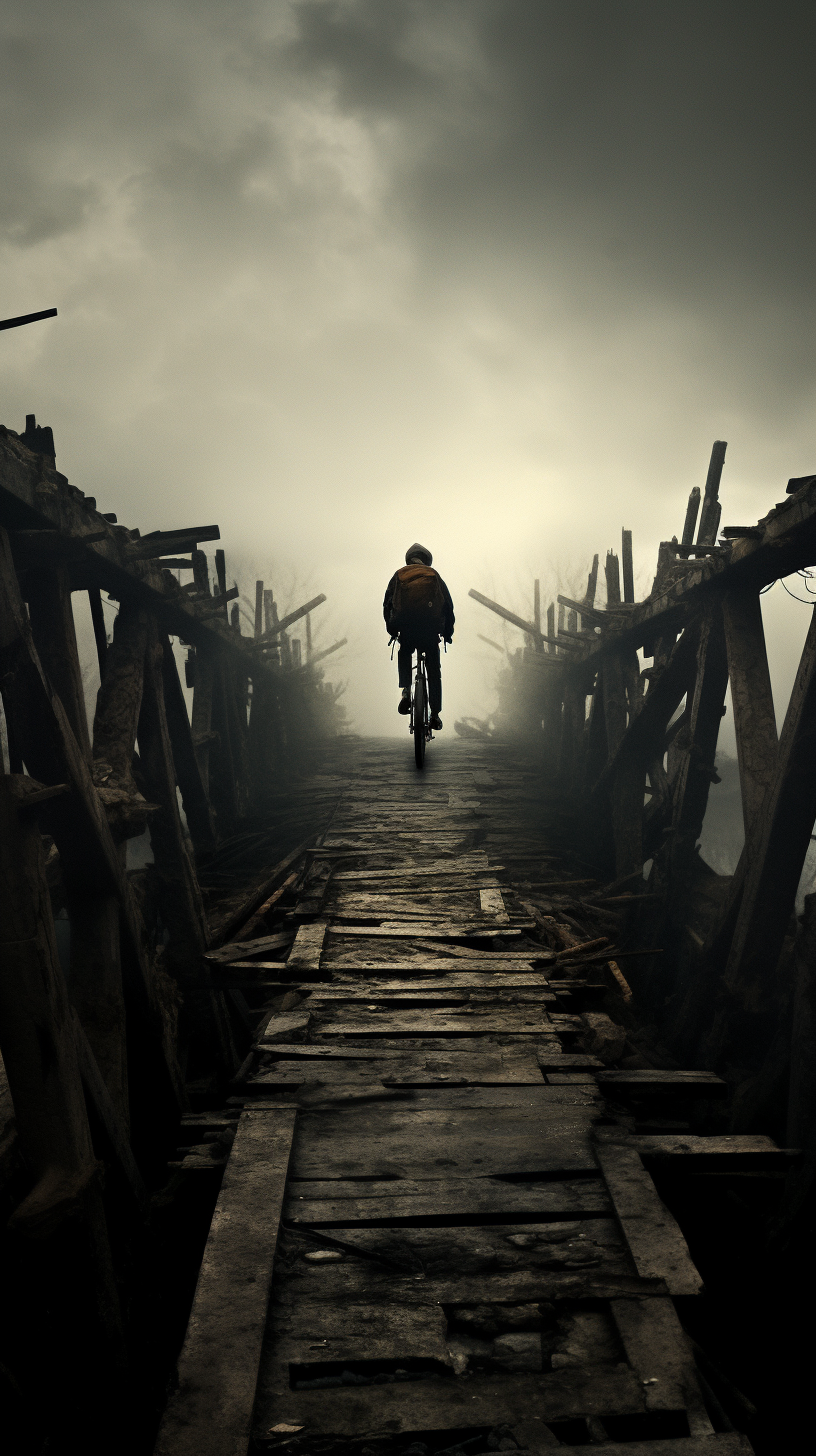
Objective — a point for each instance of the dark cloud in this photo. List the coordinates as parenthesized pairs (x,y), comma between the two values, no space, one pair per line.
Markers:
(346,273)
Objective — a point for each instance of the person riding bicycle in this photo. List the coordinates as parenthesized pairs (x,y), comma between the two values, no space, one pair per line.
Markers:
(418,611)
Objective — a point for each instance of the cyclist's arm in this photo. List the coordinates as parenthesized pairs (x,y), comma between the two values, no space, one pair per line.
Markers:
(447,631)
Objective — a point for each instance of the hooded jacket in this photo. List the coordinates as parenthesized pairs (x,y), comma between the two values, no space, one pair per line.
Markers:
(388,601)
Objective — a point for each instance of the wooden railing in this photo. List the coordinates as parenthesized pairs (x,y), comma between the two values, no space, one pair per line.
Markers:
(95,1059)
(634,748)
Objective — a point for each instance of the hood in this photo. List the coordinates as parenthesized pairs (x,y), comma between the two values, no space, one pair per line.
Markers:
(421,551)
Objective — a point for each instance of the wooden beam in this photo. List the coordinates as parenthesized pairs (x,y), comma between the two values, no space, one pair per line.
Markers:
(528,627)
(690,522)
(710,514)
(277,627)
(751,699)
(181,904)
(35,1014)
(628,566)
(786,823)
(696,768)
(196,804)
(210,1412)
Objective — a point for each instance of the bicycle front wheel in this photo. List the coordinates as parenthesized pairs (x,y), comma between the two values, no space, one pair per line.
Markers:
(418,720)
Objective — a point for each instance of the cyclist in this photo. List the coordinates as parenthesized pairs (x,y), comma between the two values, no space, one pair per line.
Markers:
(418,611)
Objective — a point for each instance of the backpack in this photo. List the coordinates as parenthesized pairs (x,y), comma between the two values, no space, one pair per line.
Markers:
(418,605)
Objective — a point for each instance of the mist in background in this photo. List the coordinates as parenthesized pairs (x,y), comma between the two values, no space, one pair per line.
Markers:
(345,274)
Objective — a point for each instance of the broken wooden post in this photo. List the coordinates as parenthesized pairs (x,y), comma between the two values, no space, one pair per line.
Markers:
(99,630)
(612,570)
(690,522)
(628,566)
(751,700)
(221,575)
(592,583)
(710,514)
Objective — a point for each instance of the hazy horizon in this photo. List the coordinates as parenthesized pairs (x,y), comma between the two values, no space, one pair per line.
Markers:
(488,274)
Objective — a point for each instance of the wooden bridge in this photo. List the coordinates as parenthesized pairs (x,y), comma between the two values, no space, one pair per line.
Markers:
(409,1096)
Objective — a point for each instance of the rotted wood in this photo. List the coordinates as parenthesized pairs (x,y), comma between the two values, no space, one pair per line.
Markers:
(752,701)
(89,858)
(36,1031)
(772,877)
(48,593)
(202,729)
(99,631)
(115,722)
(181,902)
(698,743)
(223,788)
(197,809)
(182,908)
(96,967)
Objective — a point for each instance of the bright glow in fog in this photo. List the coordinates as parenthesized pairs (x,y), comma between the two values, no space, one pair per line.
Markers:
(341,276)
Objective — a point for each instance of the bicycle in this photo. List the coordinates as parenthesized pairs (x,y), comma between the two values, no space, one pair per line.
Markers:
(419,721)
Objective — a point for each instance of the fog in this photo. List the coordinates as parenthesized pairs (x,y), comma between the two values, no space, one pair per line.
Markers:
(343,275)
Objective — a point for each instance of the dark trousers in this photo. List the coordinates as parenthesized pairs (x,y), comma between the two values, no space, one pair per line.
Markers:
(407,648)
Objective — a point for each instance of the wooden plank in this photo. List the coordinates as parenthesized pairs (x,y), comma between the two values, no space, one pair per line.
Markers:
(658,1351)
(453,1405)
(744,1150)
(392,1022)
(419,1144)
(786,823)
(210,1413)
(243,950)
(311,1336)
(197,810)
(308,947)
(278,1028)
(427,930)
(492,903)
(653,1082)
(652,1235)
(751,700)
(457,979)
(342,1203)
(696,767)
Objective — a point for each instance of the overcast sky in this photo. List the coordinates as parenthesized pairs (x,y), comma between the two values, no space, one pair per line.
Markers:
(344,274)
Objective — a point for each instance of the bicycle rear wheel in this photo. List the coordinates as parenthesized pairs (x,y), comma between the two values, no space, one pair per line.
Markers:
(418,719)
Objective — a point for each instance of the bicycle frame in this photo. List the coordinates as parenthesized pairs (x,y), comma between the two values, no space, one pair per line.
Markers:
(420,716)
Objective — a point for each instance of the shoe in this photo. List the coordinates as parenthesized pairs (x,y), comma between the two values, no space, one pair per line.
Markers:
(405,702)
(435,723)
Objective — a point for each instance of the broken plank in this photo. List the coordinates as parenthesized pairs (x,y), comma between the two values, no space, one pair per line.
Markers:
(654,1238)
(652,1081)
(245,949)
(210,1412)
(444,1200)
(454,1405)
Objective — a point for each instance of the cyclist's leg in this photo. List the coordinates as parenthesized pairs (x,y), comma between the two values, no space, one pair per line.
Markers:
(434,669)
(404,656)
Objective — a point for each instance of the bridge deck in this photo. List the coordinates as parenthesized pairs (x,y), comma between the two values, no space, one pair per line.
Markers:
(435,1231)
